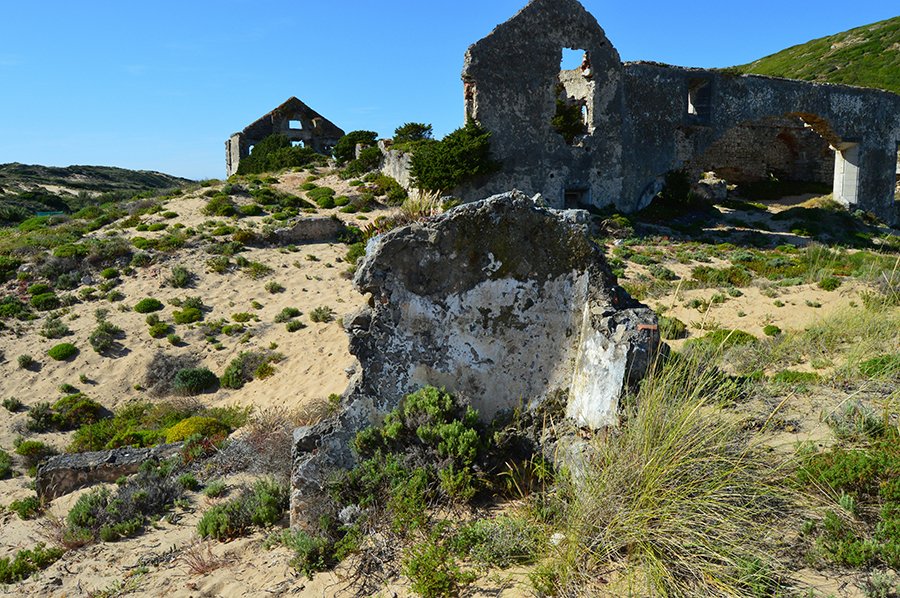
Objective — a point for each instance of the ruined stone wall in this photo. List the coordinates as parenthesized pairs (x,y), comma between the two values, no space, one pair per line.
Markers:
(662,135)
(645,119)
(511,80)
(396,164)
(779,147)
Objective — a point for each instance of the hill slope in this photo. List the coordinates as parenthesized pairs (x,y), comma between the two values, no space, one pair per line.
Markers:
(26,189)
(867,56)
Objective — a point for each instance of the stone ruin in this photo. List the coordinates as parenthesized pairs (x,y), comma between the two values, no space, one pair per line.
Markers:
(504,303)
(644,119)
(295,120)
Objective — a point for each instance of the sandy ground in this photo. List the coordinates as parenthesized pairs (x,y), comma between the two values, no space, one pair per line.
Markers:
(157,563)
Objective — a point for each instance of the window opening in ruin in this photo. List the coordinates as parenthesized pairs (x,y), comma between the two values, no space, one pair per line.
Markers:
(571,59)
(577,197)
(298,144)
(585,118)
(699,100)
(250,149)
(295,125)
(570,118)
(897,184)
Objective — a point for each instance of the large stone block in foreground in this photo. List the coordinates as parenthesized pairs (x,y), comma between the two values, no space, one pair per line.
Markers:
(502,302)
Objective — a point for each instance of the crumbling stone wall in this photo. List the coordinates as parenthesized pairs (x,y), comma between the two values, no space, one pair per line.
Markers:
(293,119)
(502,302)
(645,119)
(781,147)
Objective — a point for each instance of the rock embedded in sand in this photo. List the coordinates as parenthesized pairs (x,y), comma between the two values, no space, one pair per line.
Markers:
(502,302)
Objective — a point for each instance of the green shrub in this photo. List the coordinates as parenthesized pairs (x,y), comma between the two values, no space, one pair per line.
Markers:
(311,554)
(322,314)
(206,427)
(345,149)
(193,381)
(771,330)
(34,451)
(220,205)
(723,339)
(323,196)
(243,368)
(76,410)
(39,288)
(109,273)
(63,351)
(181,277)
(6,469)
(27,562)
(45,301)
(13,405)
(273,287)
(27,508)
(369,160)
(433,571)
(149,305)
(671,328)
(568,120)
(461,155)
(830,283)
(500,542)
(103,337)
(159,329)
(274,153)
(188,315)
(286,314)
(294,326)
(40,417)
(262,506)
(188,481)
(215,489)
(26,362)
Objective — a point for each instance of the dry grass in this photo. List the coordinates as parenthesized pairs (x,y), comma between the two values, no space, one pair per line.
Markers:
(200,560)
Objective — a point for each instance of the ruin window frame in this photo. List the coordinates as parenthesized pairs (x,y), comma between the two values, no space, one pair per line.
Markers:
(897,175)
(699,99)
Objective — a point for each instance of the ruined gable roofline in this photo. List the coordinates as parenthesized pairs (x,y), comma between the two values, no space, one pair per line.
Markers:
(724,72)
(554,8)
(292,103)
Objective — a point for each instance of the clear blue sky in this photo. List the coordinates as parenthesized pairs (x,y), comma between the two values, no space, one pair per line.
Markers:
(160,85)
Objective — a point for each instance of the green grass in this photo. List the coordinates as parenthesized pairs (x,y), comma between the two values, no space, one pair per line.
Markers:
(680,498)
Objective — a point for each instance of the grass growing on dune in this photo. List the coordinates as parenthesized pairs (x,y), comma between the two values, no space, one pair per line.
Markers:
(680,498)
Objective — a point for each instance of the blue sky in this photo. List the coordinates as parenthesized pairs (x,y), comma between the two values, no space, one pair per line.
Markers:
(160,85)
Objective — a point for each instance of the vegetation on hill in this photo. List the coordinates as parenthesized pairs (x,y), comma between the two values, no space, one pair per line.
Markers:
(867,56)
(26,189)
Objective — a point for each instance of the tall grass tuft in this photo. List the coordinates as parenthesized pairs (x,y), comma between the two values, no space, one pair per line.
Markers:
(679,497)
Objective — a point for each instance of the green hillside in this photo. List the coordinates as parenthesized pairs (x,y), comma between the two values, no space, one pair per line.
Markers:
(867,56)
(29,189)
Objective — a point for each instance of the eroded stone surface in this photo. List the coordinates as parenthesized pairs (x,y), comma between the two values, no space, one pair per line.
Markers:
(502,302)
(63,474)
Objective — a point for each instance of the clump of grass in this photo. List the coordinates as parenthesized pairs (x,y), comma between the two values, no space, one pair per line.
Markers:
(679,493)
(322,314)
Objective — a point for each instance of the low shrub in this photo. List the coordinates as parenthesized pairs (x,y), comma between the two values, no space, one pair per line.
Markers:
(63,351)
(188,482)
(27,562)
(462,155)
(501,542)
(188,315)
(26,362)
(103,338)
(671,328)
(149,305)
(6,469)
(830,283)
(159,329)
(34,451)
(180,277)
(45,301)
(287,314)
(76,410)
(433,571)
(322,314)
(194,381)
(205,427)
(13,405)
(27,508)
(323,196)
(159,376)
(771,330)
(243,368)
(263,506)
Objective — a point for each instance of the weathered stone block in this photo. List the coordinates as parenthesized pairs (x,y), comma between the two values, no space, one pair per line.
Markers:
(502,302)
(63,474)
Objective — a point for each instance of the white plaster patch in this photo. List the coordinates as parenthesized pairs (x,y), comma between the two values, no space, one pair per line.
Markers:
(597,381)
